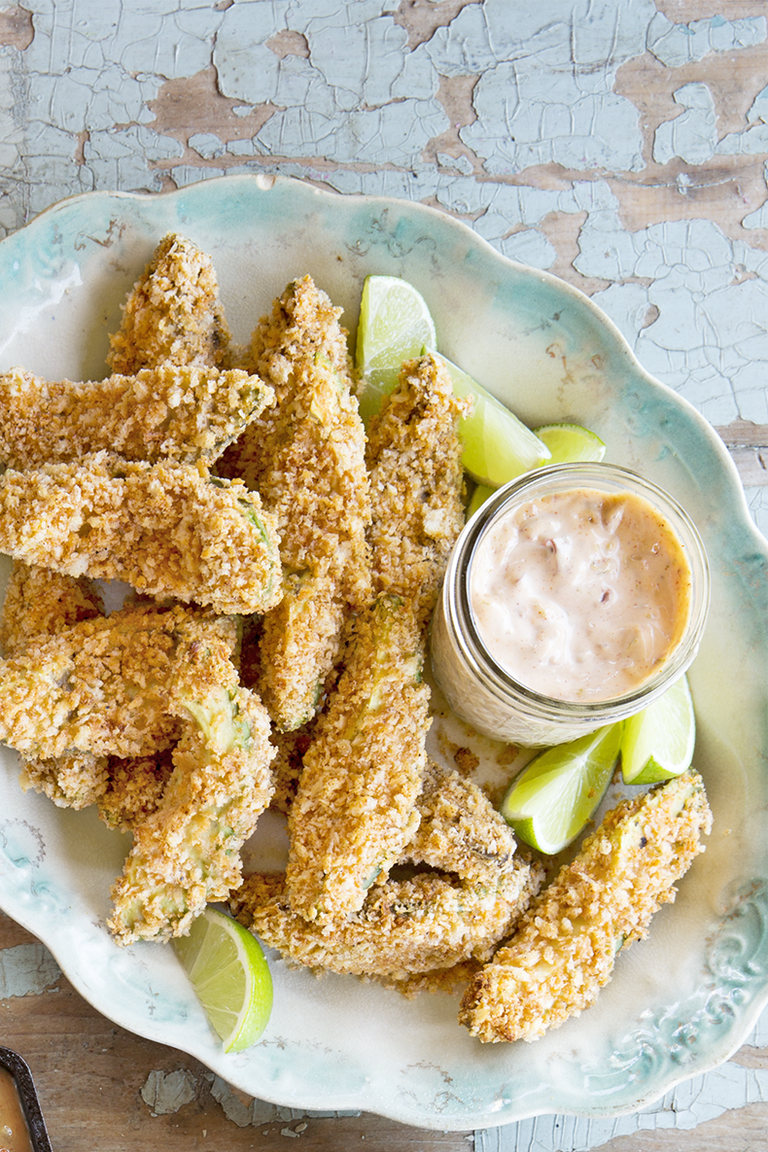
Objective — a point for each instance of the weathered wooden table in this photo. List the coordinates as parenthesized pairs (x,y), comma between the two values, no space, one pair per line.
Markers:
(622,146)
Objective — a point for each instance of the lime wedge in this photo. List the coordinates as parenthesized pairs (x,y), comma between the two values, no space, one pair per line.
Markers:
(657,743)
(395,325)
(497,446)
(559,791)
(230,975)
(478,498)
(568,443)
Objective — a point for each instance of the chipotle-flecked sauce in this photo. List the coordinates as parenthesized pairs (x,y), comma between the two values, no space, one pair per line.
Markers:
(580,595)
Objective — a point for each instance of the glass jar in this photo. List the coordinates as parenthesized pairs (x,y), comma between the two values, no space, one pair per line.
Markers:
(481,691)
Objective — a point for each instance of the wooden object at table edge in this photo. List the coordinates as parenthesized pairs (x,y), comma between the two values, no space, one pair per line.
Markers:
(748,446)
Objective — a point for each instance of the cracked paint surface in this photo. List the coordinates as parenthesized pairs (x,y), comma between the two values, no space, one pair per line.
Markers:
(694,1102)
(167,1092)
(581,136)
(27,970)
(502,113)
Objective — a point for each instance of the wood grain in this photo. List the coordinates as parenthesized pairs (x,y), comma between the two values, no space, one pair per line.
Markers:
(748,445)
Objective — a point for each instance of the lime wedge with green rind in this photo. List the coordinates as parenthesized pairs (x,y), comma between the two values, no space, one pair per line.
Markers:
(395,325)
(481,493)
(658,742)
(497,447)
(569,443)
(230,975)
(559,791)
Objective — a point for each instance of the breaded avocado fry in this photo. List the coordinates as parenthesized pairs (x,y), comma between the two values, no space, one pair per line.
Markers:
(459,829)
(306,457)
(101,686)
(174,412)
(134,788)
(173,313)
(355,807)
(187,852)
(564,949)
(39,604)
(362,771)
(169,530)
(409,926)
(417,482)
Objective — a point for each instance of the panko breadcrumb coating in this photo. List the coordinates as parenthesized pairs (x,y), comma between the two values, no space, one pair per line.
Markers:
(101,686)
(306,457)
(459,829)
(417,483)
(175,410)
(448,981)
(72,780)
(564,948)
(355,807)
(361,774)
(134,788)
(173,313)
(300,646)
(40,603)
(303,326)
(170,412)
(169,530)
(187,852)
(288,763)
(404,926)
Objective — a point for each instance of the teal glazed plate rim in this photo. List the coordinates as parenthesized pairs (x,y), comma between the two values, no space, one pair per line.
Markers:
(681,1001)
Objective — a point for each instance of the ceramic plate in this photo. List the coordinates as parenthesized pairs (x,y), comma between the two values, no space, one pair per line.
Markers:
(681,1001)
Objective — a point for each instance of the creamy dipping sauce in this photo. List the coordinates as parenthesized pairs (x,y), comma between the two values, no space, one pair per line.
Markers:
(14,1133)
(580,595)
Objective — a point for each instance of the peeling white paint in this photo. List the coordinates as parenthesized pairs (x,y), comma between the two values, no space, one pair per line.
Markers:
(161,37)
(367,62)
(691,1103)
(207,145)
(754,139)
(752,142)
(117,158)
(709,340)
(396,133)
(11,137)
(89,98)
(515,203)
(693,135)
(545,92)
(531,114)
(166,1092)
(759,109)
(27,970)
(462,163)
(678,44)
